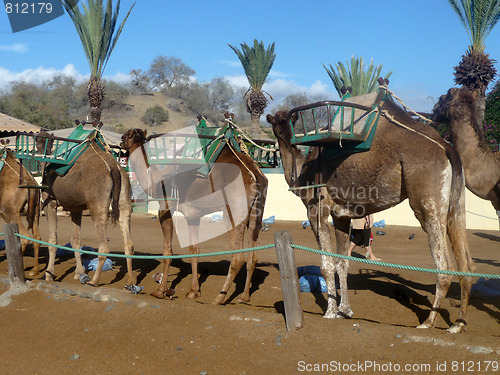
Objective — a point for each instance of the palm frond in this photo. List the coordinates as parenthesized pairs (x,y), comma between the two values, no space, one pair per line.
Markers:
(256,61)
(478,17)
(96,27)
(355,76)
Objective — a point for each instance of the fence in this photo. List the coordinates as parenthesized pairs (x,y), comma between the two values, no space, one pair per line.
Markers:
(284,250)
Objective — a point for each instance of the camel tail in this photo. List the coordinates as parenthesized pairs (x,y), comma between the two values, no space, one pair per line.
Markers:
(33,208)
(257,209)
(115,193)
(456,213)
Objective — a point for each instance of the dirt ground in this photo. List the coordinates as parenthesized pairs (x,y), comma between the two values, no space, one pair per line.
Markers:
(67,328)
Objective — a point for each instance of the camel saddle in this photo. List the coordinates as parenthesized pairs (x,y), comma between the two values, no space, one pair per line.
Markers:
(340,127)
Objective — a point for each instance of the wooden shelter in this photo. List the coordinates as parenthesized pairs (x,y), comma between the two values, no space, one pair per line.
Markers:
(9,126)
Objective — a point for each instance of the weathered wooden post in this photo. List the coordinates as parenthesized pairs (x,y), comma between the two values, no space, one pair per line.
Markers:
(14,255)
(294,315)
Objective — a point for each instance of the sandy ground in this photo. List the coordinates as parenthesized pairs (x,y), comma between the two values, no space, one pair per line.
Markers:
(67,328)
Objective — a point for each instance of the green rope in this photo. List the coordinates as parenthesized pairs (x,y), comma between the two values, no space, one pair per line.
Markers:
(384,264)
(215,253)
(263,247)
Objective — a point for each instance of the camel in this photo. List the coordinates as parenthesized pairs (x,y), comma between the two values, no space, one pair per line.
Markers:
(481,165)
(407,159)
(14,199)
(95,181)
(242,205)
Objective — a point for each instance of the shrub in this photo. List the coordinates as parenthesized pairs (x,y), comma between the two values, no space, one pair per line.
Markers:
(155,116)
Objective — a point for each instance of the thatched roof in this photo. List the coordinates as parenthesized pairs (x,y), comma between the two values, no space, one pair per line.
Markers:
(10,125)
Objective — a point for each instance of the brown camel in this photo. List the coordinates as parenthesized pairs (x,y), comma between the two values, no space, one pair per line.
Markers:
(234,177)
(400,164)
(13,200)
(481,165)
(94,182)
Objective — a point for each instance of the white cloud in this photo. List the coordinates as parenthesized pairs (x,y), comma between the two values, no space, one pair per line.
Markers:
(16,47)
(41,74)
(119,77)
(38,75)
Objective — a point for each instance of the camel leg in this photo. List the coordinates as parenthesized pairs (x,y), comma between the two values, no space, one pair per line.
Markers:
(342,266)
(128,246)
(36,245)
(76,219)
(434,224)
(319,226)
(237,260)
(51,212)
(194,248)
(251,263)
(100,223)
(167,227)
(24,243)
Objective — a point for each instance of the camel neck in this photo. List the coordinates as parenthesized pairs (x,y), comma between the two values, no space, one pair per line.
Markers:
(140,165)
(292,159)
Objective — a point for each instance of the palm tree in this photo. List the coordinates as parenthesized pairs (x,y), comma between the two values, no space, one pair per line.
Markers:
(476,69)
(96,27)
(257,62)
(360,81)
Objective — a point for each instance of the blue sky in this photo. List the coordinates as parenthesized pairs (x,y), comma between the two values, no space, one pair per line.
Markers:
(419,40)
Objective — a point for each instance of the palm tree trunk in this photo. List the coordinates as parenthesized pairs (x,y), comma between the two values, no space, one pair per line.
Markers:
(96,96)
(480,108)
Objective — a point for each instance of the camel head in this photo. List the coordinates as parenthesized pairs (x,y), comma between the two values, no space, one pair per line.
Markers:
(44,142)
(456,103)
(133,139)
(281,128)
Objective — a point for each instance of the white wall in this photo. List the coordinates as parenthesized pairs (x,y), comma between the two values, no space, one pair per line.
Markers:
(285,205)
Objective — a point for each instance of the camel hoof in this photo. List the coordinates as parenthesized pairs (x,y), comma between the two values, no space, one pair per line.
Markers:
(243,299)
(158,294)
(330,316)
(219,300)
(456,328)
(193,295)
(424,326)
(49,276)
(169,293)
(34,272)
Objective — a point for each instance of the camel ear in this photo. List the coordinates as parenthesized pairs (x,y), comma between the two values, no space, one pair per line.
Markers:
(2,141)
(145,132)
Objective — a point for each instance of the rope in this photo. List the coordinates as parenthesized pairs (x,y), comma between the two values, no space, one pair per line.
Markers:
(487,217)
(392,119)
(201,255)
(264,247)
(248,138)
(404,105)
(399,266)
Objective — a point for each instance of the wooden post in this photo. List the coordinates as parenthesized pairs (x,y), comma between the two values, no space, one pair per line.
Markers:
(14,256)
(294,315)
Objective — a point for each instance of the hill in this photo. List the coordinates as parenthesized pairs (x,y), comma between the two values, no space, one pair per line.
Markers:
(129,116)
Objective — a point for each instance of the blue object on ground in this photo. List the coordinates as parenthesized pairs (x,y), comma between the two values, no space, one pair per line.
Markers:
(216,217)
(269,220)
(379,224)
(311,280)
(305,224)
(2,244)
(91,264)
(486,288)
